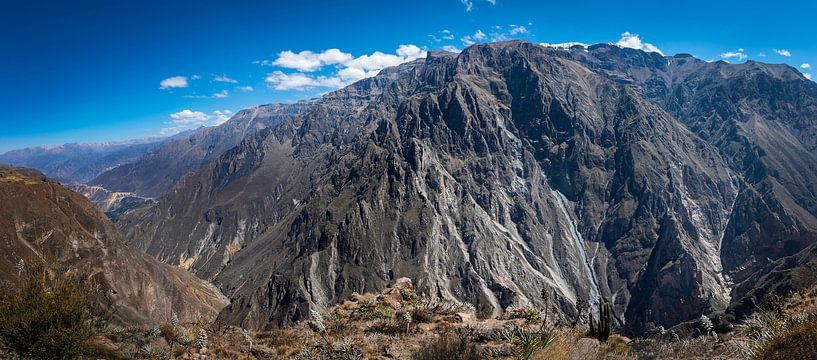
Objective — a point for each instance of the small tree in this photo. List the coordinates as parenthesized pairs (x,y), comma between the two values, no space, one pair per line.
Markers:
(45,317)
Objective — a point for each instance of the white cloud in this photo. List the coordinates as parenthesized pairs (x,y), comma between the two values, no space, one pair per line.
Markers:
(221,116)
(246,88)
(565,45)
(734,55)
(195,77)
(188,116)
(301,81)
(783,52)
(309,61)
(805,66)
(174,82)
(469,4)
(451,48)
(473,39)
(221,94)
(517,30)
(349,69)
(633,41)
(188,119)
(224,78)
(807,75)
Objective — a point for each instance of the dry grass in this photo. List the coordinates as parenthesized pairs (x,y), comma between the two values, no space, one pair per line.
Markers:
(799,342)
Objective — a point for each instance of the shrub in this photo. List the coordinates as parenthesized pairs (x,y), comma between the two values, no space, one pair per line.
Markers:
(45,317)
(799,342)
(371,310)
(527,313)
(386,327)
(449,345)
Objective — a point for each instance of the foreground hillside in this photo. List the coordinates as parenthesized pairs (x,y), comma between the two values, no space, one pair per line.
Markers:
(398,323)
(672,187)
(43,223)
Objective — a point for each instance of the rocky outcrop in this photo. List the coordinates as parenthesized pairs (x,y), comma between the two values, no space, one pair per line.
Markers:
(44,222)
(656,182)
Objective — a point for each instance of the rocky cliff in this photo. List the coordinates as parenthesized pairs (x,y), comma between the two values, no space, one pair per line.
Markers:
(666,184)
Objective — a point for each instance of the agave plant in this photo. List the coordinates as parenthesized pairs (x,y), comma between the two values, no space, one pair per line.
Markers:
(528,342)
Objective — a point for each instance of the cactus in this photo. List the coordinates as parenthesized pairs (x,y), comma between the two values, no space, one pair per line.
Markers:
(174,321)
(601,329)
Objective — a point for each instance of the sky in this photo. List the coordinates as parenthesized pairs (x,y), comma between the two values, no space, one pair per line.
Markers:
(103,70)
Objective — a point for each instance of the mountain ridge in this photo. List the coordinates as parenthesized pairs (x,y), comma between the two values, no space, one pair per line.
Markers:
(556,127)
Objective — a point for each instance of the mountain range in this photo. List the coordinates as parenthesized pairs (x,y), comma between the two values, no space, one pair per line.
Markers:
(670,186)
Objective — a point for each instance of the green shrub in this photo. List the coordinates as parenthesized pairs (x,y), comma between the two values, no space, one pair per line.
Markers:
(529,314)
(45,318)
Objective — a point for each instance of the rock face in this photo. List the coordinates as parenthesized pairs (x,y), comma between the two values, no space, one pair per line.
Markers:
(42,221)
(666,184)
(157,171)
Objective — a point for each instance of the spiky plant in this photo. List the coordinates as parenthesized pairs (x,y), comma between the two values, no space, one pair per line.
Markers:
(601,329)
(528,342)
(546,300)
(706,325)
(247,337)
(201,339)
(318,325)
(581,307)
(21,266)
(174,320)
(406,318)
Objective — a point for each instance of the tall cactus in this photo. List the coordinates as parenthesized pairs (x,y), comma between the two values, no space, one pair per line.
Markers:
(601,329)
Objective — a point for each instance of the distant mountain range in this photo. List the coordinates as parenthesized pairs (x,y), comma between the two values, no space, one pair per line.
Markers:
(671,186)
(79,162)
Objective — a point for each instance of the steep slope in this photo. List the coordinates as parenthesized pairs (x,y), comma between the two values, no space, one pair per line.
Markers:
(42,221)
(156,172)
(763,120)
(484,176)
(79,162)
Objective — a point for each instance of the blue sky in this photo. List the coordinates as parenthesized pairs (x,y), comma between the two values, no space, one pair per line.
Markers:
(94,71)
